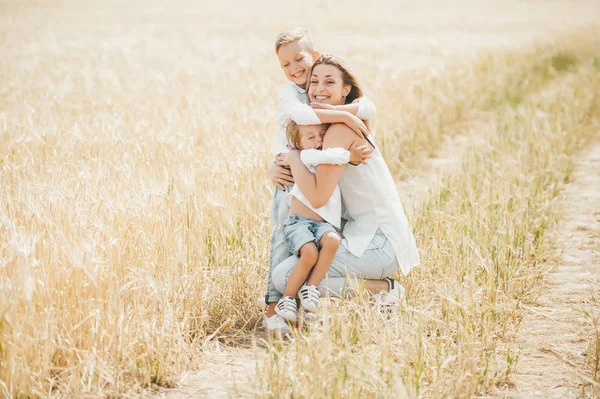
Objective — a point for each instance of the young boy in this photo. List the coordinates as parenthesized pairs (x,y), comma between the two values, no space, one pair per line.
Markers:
(309,232)
(296,55)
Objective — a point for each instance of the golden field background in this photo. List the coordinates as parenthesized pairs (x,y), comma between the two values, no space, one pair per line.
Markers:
(134,223)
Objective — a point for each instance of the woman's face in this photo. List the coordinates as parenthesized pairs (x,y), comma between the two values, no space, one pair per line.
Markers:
(326,85)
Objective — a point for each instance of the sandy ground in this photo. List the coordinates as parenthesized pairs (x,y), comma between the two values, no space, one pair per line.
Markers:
(226,373)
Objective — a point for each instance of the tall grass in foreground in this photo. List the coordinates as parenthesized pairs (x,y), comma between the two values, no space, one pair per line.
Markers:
(134,225)
(483,240)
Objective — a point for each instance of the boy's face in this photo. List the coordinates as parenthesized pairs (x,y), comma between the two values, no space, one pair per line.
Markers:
(311,136)
(295,60)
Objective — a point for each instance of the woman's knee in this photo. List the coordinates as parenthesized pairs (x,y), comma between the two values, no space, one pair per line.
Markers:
(278,278)
(390,269)
(281,272)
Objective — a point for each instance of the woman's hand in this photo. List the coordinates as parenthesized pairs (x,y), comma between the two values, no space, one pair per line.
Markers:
(360,151)
(280,176)
(356,124)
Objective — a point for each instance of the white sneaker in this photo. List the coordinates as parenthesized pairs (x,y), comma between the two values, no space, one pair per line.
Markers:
(276,324)
(309,297)
(287,308)
(391,299)
(261,303)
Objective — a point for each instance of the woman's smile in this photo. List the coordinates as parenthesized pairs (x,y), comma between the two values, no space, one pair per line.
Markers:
(321,97)
(326,85)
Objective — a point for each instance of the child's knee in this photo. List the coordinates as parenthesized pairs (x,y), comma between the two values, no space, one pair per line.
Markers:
(309,252)
(331,240)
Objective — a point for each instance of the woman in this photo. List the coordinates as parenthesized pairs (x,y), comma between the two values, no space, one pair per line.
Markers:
(377,237)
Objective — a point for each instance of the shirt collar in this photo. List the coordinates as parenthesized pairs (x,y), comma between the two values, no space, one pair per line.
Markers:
(299,89)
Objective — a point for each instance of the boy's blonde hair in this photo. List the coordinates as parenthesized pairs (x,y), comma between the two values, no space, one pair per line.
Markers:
(292,36)
(293,134)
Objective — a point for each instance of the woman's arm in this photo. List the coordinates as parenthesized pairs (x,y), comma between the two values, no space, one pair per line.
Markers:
(338,116)
(318,188)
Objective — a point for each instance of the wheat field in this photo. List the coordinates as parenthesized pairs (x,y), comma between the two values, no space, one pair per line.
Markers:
(134,223)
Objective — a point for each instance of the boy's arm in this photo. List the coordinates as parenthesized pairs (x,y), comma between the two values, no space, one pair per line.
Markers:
(337,116)
(289,107)
(364,108)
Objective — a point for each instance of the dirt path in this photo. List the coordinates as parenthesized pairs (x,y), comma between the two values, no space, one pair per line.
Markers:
(225,375)
(555,334)
(414,189)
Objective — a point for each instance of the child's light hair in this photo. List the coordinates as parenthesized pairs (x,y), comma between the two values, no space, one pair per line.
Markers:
(292,36)
(293,134)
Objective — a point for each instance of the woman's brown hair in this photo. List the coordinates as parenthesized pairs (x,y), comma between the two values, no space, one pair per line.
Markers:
(348,77)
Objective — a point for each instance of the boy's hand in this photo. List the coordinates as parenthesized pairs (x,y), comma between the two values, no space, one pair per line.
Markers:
(359,152)
(356,124)
(322,106)
(280,176)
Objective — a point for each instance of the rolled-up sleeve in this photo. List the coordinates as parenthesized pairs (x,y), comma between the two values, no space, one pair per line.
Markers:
(333,156)
(289,107)
(366,109)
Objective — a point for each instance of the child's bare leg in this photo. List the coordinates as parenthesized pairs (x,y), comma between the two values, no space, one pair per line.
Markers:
(308,257)
(330,242)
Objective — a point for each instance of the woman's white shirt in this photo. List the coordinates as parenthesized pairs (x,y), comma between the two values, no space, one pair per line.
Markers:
(371,201)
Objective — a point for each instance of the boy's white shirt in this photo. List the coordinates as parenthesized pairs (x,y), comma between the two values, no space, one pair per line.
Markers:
(293,104)
(332,210)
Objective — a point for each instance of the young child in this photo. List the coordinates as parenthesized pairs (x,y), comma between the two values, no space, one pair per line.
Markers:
(308,232)
(296,54)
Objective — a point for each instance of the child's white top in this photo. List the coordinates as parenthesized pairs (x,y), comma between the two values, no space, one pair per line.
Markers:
(332,210)
(292,104)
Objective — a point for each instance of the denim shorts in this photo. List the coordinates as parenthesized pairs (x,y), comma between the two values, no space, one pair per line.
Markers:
(376,262)
(298,231)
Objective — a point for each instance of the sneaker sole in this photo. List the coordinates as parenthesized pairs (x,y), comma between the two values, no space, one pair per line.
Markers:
(292,318)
